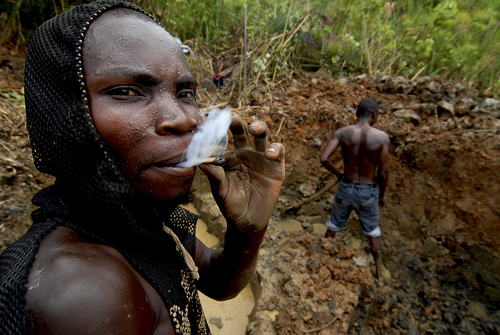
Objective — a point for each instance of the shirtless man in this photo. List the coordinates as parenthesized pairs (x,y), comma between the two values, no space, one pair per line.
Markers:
(366,156)
(111,108)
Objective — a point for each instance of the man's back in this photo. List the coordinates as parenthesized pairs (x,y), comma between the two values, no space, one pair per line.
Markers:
(361,147)
(366,157)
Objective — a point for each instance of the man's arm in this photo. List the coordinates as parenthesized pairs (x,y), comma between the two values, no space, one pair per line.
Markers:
(383,170)
(329,151)
(246,191)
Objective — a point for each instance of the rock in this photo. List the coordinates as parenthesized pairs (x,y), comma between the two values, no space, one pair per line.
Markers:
(316,142)
(482,254)
(342,81)
(422,80)
(316,219)
(491,104)
(428,108)
(463,106)
(433,86)
(216,321)
(427,96)
(361,76)
(307,189)
(478,310)
(450,124)
(429,248)
(398,85)
(445,110)
(488,278)
(409,115)
(449,90)
(360,261)
(396,106)
(465,122)
(384,78)
(293,175)
(313,264)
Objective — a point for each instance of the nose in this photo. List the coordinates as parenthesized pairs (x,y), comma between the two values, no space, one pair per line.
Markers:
(176,120)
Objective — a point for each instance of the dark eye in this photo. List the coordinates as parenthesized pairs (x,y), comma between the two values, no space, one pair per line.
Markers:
(187,94)
(123,92)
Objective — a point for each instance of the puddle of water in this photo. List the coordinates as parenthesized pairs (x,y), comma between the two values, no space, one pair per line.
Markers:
(230,315)
(224,317)
(319,228)
(290,225)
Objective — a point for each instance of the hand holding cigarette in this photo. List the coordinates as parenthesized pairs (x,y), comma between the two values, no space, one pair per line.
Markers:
(247,187)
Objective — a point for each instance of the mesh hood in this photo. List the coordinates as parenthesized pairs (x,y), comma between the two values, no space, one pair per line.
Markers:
(63,137)
(91,195)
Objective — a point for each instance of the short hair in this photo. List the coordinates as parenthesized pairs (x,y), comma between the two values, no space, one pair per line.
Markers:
(366,108)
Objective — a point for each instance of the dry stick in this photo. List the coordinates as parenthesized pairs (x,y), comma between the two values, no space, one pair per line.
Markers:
(12,162)
(295,31)
(231,92)
(321,328)
(325,189)
(245,55)
(206,94)
(224,104)
(265,44)
(418,73)
(206,49)
(284,45)
(281,123)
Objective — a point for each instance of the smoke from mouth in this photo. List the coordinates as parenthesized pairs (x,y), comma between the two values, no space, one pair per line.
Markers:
(210,139)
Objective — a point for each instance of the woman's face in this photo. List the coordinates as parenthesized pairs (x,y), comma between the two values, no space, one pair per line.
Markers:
(142,100)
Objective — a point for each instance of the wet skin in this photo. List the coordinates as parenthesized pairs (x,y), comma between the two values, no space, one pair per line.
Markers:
(366,153)
(142,99)
(143,104)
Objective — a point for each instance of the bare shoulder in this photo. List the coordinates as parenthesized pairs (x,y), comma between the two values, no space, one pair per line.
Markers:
(380,136)
(76,287)
(343,132)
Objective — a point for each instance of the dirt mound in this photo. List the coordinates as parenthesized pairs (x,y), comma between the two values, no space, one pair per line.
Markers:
(439,226)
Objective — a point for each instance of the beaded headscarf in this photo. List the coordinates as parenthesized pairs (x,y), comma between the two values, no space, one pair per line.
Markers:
(91,195)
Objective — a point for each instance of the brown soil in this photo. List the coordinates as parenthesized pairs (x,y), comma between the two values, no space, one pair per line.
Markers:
(440,225)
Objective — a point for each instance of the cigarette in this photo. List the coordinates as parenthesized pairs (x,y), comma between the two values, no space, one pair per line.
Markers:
(207,160)
(219,161)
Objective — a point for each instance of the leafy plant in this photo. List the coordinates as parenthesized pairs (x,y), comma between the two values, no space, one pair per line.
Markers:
(456,39)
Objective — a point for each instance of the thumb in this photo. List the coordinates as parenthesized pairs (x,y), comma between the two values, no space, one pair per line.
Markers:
(215,174)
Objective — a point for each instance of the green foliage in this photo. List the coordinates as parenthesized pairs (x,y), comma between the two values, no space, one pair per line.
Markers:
(456,39)
(23,16)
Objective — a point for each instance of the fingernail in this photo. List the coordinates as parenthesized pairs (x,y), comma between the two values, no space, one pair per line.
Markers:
(271,150)
(257,126)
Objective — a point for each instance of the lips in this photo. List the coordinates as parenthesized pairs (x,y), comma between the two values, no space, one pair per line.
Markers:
(170,167)
(171,162)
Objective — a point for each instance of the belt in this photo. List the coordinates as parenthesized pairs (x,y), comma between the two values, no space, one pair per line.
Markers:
(348,181)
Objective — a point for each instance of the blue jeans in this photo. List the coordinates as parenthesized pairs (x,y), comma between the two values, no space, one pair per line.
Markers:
(363,198)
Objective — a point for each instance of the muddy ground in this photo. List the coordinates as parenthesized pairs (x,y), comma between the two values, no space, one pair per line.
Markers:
(440,225)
